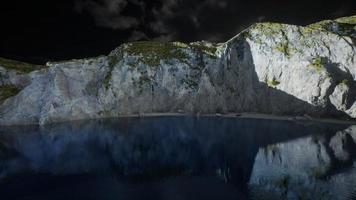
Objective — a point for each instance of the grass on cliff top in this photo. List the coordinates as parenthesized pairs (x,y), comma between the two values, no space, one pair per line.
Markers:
(323,25)
(90,60)
(153,52)
(319,25)
(347,20)
(7,91)
(19,66)
(268,28)
(208,49)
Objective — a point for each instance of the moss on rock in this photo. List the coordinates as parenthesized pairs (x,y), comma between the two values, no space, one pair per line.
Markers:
(113,59)
(347,20)
(151,53)
(273,83)
(269,29)
(21,67)
(345,81)
(319,25)
(143,82)
(7,91)
(345,26)
(107,80)
(207,48)
(317,64)
(283,47)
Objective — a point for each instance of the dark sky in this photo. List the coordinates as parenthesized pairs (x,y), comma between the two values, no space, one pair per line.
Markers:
(41,30)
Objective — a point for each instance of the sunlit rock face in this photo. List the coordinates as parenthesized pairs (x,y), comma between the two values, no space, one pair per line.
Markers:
(268,68)
(314,167)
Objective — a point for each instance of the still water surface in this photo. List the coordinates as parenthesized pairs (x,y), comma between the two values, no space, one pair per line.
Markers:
(178,158)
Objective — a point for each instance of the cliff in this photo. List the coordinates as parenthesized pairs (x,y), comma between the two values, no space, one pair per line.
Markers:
(268,68)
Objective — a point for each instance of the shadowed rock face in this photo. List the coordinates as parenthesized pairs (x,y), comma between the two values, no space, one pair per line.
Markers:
(213,157)
(269,68)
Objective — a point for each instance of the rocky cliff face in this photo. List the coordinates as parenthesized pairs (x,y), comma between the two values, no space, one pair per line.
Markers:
(268,68)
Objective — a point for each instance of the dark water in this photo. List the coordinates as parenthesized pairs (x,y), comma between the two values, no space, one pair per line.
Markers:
(178,158)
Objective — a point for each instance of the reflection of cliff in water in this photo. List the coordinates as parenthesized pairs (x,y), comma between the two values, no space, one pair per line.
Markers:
(312,167)
(238,151)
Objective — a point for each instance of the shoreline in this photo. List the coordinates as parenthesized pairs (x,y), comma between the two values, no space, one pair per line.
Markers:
(225,115)
(251,116)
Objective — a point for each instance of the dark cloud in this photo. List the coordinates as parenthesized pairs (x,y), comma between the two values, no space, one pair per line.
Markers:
(137,35)
(190,20)
(109,13)
(45,30)
(165,18)
(175,19)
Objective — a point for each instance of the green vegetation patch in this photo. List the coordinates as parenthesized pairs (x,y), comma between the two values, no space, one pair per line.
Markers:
(323,26)
(317,64)
(113,59)
(89,60)
(347,20)
(19,66)
(208,49)
(343,26)
(273,30)
(269,29)
(107,80)
(273,83)
(319,25)
(345,81)
(145,80)
(7,91)
(151,53)
(283,47)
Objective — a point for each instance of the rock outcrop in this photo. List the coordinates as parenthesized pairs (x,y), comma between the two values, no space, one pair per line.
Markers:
(268,68)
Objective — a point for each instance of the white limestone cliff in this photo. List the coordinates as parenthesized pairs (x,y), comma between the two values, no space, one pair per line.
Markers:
(268,68)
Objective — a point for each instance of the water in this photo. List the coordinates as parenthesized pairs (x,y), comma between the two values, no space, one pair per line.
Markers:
(178,158)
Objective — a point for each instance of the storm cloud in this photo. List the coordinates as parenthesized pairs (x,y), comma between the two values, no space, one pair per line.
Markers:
(42,30)
(165,20)
(109,13)
(188,20)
